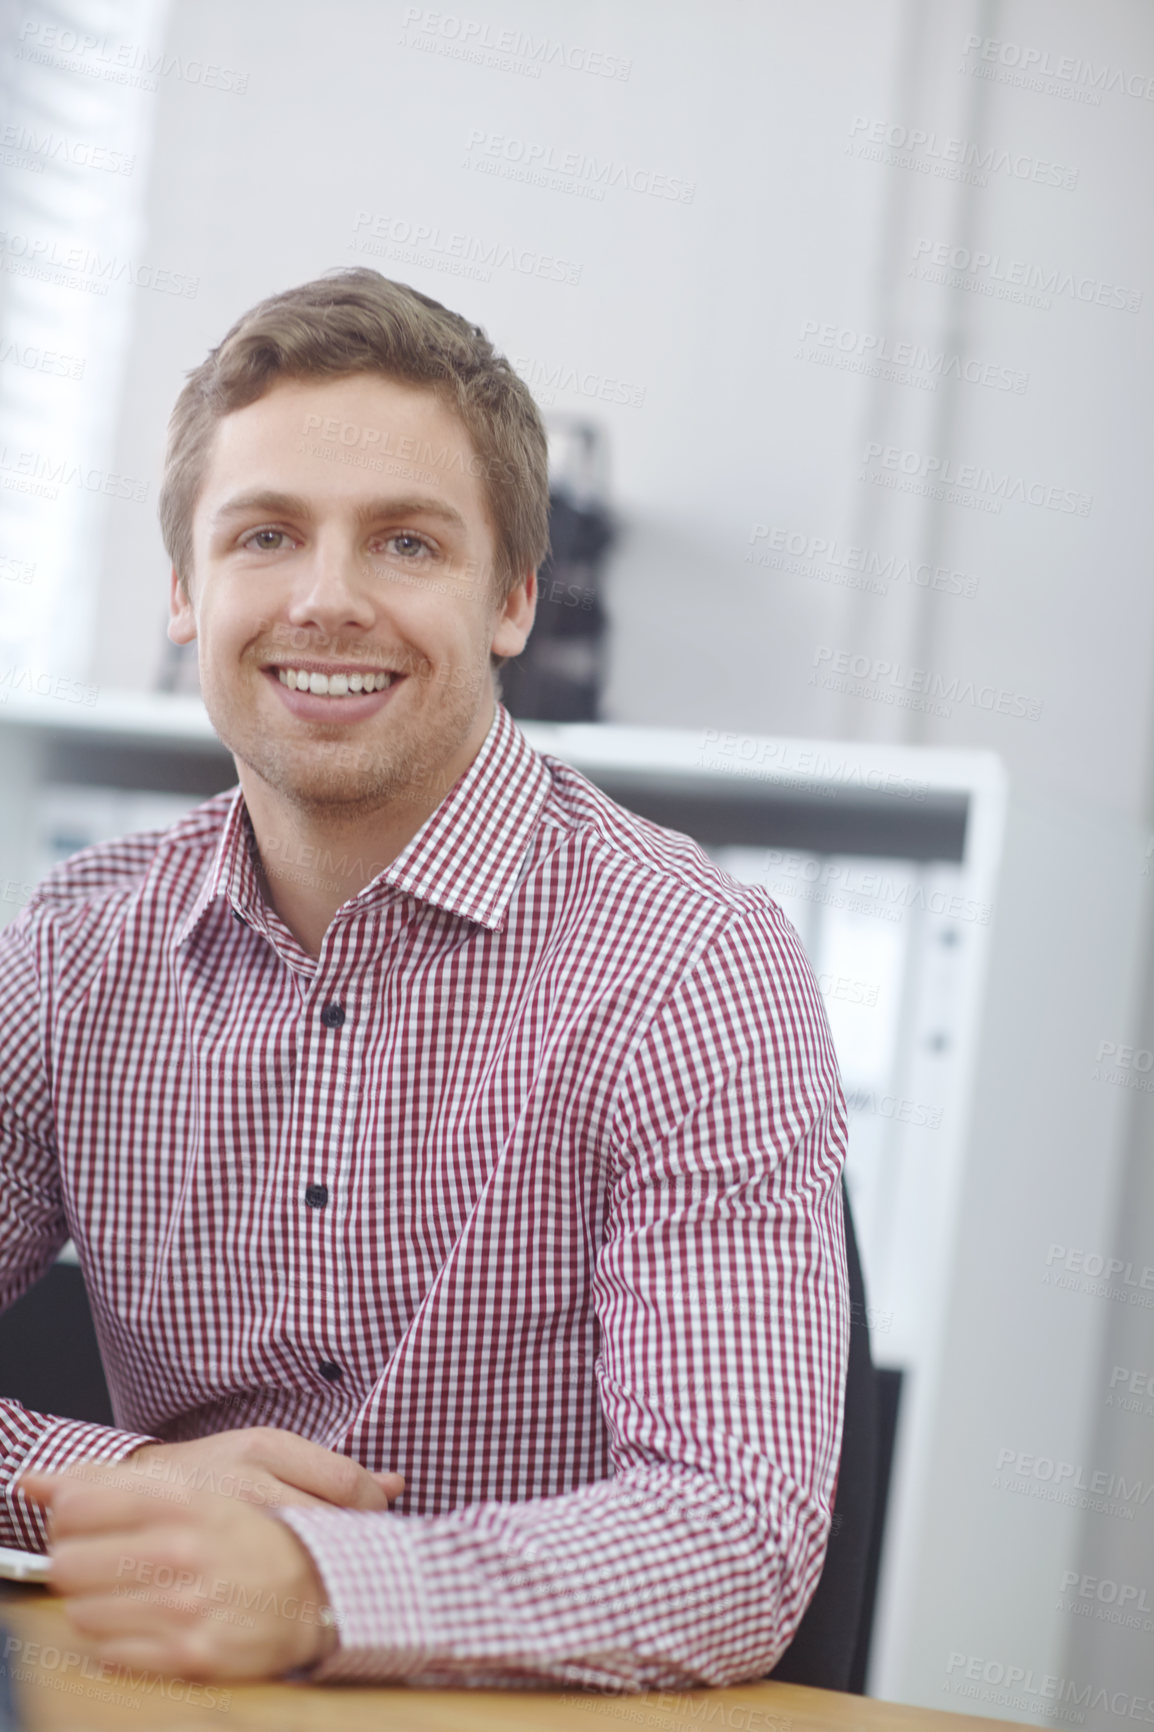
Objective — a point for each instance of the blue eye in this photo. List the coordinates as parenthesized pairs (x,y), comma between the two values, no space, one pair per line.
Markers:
(267,540)
(409,545)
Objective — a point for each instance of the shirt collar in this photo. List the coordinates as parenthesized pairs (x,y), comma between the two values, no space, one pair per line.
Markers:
(466,858)
(232,875)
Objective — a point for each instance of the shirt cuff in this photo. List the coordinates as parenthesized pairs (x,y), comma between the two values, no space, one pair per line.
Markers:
(62,1443)
(372,1582)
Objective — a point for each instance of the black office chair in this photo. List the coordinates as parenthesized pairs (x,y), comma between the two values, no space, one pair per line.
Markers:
(829,1649)
(49,1357)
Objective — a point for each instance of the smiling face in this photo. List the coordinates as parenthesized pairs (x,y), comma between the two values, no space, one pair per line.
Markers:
(327,555)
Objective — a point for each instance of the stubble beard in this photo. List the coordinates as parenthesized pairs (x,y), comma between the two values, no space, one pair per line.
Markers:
(341,781)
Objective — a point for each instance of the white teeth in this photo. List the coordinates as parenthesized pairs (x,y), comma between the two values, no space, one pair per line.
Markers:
(332,685)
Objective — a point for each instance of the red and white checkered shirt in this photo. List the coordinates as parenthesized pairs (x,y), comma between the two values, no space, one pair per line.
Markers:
(527,1187)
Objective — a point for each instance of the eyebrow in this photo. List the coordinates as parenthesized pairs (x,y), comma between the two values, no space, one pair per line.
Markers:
(292,505)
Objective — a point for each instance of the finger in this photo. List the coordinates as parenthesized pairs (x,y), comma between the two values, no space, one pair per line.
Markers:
(168,1483)
(122,1564)
(47,1489)
(185,1653)
(310,1467)
(194,1654)
(82,1508)
(39,1488)
(137,1654)
(272,1494)
(89,1566)
(108,1617)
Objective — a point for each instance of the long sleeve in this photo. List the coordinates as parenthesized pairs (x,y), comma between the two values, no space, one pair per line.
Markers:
(722,1303)
(32,1230)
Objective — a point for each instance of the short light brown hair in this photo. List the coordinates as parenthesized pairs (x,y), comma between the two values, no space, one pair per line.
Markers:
(358,321)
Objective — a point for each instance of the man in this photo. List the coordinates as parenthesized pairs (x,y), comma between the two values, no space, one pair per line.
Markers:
(430,1128)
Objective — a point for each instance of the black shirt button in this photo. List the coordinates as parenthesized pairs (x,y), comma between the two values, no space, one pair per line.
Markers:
(237,915)
(333,1015)
(330,1370)
(316,1196)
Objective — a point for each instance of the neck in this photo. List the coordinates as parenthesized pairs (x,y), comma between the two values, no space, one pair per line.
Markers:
(310,866)
(313,859)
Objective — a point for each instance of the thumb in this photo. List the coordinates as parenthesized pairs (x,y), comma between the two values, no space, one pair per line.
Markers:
(392,1484)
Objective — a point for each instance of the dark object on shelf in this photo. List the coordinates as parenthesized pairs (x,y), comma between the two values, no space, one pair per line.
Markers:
(559,674)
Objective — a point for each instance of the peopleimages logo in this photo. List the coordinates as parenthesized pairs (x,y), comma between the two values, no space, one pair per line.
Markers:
(902,362)
(117,62)
(1043,1476)
(1131,1390)
(1020,1687)
(1125,1066)
(1082,1271)
(1105,1601)
(41,475)
(15,570)
(461,255)
(592,173)
(1015,279)
(851,566)
(546,378)
(69,691)
(889,682)
(1038,64)
(954,158)
(36,1664)
(81,267)
(37,148)
(38,360)
(845,990)
(896,1107)
(970,479)
(505,50)
(784,758)
(841,884)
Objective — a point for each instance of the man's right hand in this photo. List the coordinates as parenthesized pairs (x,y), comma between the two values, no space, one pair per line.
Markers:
(264,1465)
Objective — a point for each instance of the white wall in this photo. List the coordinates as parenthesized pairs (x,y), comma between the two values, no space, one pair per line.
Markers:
(704,304)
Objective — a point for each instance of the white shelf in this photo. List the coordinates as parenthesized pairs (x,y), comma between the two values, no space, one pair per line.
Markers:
(130,716)
(745,763)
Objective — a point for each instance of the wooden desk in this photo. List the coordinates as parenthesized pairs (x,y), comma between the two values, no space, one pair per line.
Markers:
(51,1698)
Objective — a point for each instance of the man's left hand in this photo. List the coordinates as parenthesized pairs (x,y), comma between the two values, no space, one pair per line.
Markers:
(196,1586)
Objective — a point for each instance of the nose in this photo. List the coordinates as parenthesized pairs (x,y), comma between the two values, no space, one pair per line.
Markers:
(331,586)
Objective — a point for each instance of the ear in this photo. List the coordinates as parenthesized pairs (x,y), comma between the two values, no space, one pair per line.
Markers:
(515,617)
(182,619)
